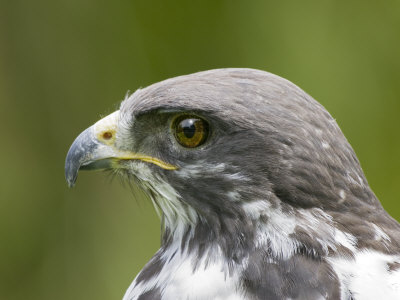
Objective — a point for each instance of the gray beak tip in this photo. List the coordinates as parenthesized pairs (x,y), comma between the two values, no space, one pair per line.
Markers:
(71,182)
(77,155)
(71,171)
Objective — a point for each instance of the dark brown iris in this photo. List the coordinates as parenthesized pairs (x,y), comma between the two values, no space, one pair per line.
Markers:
(107,135)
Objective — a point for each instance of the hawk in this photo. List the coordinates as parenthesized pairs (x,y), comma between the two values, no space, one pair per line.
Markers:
(260,194)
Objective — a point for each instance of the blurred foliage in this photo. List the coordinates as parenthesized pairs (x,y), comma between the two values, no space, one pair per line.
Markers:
(65,63)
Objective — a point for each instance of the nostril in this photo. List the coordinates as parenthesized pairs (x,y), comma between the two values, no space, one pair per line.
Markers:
(107,135)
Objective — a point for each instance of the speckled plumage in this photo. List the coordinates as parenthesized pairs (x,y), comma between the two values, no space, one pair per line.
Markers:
(273,206)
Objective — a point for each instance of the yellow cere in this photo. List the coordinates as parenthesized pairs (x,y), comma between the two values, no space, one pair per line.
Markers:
(105,131)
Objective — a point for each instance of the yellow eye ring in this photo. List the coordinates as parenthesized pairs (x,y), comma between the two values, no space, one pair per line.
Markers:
(190,131)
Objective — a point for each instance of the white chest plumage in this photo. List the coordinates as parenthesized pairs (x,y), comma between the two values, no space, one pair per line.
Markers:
(206,282)
(183,276)
(368,276)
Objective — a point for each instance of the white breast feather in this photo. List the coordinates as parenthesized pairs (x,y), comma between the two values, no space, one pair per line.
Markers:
(179,279)
(367,277)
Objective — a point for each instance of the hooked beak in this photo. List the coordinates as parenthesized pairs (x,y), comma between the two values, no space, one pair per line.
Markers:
(94,149)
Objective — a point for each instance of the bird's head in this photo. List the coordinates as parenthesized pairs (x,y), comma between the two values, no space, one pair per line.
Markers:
(222,146)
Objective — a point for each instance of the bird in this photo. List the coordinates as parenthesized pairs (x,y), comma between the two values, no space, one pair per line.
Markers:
(260,194)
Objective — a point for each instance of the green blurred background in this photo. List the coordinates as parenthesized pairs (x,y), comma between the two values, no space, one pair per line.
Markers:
(65,63)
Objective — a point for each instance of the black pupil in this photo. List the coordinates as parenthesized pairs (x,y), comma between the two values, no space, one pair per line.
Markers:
(189,127)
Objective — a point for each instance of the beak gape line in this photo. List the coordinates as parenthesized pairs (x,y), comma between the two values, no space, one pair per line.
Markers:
(94,149)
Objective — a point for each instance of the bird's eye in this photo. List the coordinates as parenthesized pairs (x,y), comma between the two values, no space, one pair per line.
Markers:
(190,131)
